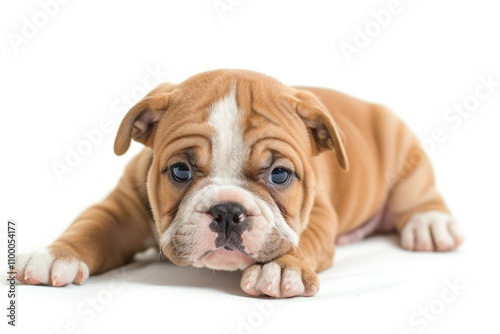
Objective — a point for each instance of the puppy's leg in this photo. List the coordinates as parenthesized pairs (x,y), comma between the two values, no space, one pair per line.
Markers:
(104,237)
(418,211)
(294,274)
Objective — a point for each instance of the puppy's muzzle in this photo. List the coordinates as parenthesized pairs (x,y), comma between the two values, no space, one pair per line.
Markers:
(229,222)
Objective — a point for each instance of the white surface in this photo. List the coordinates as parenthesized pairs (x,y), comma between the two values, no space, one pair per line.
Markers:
(80,69)
(374,286)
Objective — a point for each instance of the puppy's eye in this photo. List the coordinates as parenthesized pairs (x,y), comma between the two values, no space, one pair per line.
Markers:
(181,172)
(280,176)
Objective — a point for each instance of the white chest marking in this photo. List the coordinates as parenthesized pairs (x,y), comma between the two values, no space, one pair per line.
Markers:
(228,149)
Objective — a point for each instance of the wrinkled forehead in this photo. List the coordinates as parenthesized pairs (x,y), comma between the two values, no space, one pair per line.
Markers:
(225,124)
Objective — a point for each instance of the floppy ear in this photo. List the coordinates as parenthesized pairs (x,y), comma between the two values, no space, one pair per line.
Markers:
(140,122)
(324,131)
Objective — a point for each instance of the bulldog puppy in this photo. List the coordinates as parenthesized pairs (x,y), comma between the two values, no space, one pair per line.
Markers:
(241,172)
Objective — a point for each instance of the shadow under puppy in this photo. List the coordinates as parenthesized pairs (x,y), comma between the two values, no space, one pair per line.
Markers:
(241,172)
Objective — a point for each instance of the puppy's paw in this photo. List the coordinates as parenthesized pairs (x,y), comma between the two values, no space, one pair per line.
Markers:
(431,231)
(287,276)
(44,267)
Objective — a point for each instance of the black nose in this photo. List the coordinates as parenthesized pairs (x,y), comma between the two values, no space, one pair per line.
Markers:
(227,216)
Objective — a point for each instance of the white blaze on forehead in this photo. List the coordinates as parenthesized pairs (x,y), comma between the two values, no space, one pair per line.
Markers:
(228,149)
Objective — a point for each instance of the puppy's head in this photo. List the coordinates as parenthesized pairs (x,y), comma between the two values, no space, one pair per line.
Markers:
(230,182)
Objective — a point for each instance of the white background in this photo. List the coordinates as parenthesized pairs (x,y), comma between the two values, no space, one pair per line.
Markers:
(74,71)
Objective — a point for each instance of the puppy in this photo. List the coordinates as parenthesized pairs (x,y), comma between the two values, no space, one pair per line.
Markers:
(241,172)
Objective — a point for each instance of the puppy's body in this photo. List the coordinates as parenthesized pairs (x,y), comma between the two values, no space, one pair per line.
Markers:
(208,187)
(389,178)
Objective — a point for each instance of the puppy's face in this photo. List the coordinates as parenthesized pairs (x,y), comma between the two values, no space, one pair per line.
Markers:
(230,182)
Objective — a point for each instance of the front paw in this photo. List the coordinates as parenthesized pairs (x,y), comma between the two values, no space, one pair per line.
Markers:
(431,231)
(44,267)
(287,276)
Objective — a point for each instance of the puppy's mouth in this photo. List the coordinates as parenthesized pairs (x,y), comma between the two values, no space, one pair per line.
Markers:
(228,248)
(225,258)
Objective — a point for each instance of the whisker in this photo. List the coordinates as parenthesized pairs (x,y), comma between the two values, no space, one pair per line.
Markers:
(161,252)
